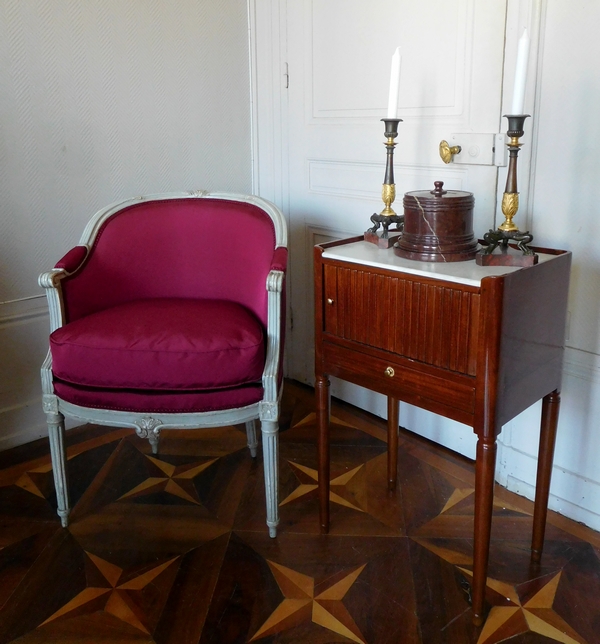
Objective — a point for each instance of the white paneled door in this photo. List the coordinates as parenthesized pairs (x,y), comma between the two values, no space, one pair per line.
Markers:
(338,60)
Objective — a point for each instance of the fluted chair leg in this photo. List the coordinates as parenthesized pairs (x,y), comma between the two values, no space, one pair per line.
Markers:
(153,440)
(270,430)
(252,438)
(56,431)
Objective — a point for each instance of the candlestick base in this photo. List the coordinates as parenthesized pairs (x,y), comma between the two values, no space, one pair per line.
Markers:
(506,254)
(386,238)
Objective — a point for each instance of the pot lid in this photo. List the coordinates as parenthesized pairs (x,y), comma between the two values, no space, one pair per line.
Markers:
(439,193)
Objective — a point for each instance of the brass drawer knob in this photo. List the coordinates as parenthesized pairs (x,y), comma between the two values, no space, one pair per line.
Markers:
(389,372)
(330,301)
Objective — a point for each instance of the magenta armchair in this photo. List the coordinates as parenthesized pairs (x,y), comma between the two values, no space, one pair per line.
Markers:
(170,313)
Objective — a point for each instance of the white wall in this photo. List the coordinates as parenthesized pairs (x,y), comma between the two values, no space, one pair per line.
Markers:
(102,100)
(564,212)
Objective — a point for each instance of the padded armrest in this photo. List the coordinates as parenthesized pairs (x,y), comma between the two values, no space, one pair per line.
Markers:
(273,373)
(51,282)
(73,259)
(279,261)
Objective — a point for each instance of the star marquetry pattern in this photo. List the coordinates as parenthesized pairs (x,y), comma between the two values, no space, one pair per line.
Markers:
(516,609)
(26,480)
(460,494)
(177,480)
(304,601)
(309,480)
(311,419)
(524,608)
(104,592)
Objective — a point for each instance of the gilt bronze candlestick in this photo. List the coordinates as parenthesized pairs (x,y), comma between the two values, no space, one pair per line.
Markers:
(387,216)
(508,231)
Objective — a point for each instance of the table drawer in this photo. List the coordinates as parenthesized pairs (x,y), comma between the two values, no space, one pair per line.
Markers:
(442,392)
(433,322)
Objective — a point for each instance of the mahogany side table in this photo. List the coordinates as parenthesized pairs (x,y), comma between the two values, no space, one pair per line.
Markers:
(477,344)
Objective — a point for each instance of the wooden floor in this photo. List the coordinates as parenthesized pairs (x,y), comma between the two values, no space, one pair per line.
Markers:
(175,550)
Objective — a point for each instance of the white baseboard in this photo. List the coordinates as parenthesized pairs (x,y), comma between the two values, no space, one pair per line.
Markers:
(22,424)
(23,344)
(585,512)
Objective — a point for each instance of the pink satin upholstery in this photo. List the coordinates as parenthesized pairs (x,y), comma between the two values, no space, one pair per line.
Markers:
(161,344)
(279,261)
(159,401)
(180,249)
(72,259)
(168,310)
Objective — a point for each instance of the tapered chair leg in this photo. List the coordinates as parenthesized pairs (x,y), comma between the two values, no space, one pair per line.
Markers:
(56,432)
(153,440)
(252,439)
(270,431)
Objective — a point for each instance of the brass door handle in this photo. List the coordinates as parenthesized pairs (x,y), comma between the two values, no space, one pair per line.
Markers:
(447,151)
(389,372)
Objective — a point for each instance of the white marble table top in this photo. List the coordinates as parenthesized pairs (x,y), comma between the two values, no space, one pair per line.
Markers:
(466,272)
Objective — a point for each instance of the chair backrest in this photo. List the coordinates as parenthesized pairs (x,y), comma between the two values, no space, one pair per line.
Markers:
(208,246)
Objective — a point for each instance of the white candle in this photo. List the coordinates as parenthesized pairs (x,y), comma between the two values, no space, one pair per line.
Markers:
(520,75)
(392,111)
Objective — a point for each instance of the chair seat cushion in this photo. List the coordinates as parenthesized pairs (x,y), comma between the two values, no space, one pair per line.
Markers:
(161,344)
(159,401)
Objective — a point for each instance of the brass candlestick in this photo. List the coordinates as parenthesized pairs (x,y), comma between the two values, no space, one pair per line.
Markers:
(508,231)
(387,216)
(510,199)
(388,189)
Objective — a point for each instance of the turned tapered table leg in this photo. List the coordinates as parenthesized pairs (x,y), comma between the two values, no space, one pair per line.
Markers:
(549,424)
(322,396)
(392,449)
(485,466)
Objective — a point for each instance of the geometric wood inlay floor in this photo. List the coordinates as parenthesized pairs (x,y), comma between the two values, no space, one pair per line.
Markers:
(174,549)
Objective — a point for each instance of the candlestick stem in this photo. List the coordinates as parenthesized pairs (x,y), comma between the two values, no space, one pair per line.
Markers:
(510,199)
(388,192)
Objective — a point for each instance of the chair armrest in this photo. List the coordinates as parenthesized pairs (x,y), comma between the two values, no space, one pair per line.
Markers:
(73,259)
(279,261)
(275,331)
(51,282)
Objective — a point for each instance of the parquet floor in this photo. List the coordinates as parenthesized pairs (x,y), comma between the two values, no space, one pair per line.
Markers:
(174,550)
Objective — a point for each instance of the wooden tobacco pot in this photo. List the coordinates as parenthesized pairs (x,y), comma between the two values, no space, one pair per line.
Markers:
(438,226)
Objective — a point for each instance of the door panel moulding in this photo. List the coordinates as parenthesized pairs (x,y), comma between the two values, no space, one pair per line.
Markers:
(363,180)
(332,92)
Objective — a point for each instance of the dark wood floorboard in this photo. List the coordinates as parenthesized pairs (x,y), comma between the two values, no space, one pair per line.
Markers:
(173,549)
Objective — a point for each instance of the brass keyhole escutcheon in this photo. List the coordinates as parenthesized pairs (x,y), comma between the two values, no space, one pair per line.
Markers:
(447,151)
(330,301)
(389,372)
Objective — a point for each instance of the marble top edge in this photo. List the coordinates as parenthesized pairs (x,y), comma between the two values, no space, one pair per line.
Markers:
(463,272)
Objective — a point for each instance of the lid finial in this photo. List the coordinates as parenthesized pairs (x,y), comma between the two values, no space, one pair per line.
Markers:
(438,192)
